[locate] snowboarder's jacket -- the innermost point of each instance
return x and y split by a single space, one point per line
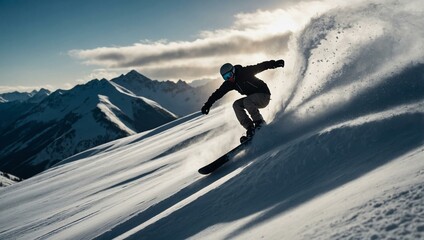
245 81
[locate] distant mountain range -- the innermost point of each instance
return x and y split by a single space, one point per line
40 129
34 96
12 105
179 97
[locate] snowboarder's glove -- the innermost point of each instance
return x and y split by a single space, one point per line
205 108
279 63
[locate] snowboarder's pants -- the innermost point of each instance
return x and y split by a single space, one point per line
252 104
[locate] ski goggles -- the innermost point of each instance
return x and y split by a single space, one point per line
228 75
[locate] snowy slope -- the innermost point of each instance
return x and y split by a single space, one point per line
342 157
8 179
15 104
146 186
68 122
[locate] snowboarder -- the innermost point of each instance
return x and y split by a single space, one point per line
244 81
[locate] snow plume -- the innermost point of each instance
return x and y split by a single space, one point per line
341 57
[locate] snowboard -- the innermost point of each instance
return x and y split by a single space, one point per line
224 158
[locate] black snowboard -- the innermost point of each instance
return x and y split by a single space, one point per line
224 158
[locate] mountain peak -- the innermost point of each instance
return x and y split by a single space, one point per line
43 90
178 96
133 74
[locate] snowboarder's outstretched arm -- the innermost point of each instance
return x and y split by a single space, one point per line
219 93
260 67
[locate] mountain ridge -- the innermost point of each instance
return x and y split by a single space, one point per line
35 95
179 97
69 121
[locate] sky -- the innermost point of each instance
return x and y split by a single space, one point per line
58 44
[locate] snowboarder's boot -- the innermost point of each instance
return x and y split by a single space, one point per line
249 134
258 124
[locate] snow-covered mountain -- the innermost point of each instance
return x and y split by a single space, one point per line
67 122
11 111
179 97
38 96
15 104
34 96
341 157
15 96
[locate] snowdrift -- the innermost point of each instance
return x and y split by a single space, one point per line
340 158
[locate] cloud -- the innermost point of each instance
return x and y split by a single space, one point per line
203 50
198 61
253 37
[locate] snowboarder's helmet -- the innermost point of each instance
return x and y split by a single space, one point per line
227 71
